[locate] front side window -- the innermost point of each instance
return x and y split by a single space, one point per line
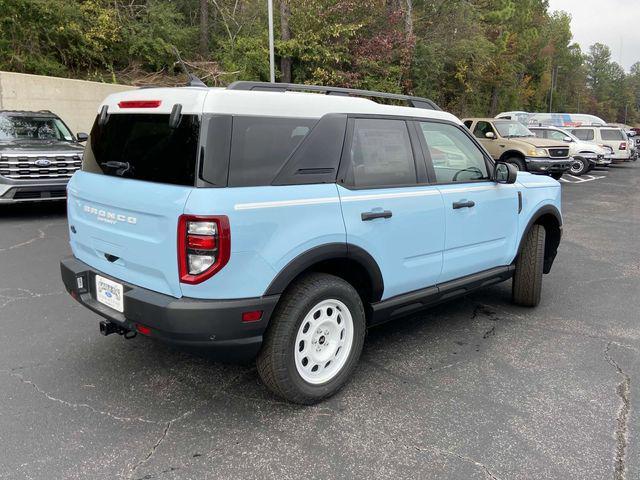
538 133
585 134
23 127
557 135
380 154
481 129
261 145
454 156
612 135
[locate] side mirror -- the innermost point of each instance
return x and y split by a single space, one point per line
567 139
505 173
490 135
82 137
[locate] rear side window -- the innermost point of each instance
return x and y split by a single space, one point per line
261 145
612 135
584 134
380 154
144 147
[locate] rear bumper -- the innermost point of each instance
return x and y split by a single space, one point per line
548 165
12 191
595 159
213 327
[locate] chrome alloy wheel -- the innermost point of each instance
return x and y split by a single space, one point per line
324 341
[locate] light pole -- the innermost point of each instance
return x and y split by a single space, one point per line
272 71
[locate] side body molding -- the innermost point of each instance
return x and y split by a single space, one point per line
324 253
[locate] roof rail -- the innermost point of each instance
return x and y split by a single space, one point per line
416 102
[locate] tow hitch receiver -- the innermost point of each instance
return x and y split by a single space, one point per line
107 328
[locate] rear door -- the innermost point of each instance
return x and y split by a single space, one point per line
481 215
389 209
123 208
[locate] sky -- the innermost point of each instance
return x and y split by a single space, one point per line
612 22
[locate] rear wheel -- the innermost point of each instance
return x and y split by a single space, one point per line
527 279
580 166
314 340
518 163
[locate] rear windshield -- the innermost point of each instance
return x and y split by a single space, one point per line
144 147
612 134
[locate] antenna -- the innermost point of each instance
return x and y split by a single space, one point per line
193 80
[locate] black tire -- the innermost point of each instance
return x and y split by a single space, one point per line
557 175
527 279
580 166
276 360
518 163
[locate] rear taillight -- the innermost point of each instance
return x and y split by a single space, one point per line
204 246
623 146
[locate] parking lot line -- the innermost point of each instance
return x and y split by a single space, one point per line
583 179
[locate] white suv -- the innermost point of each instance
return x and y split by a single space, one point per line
586 155
615 138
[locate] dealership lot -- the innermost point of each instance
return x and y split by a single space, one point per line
474 389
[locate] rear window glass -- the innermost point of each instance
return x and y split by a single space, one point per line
584 134
261 145
144 147
612 135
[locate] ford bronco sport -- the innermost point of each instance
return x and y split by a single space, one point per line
279 221
511 142
38 155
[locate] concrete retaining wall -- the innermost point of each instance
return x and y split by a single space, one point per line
75 101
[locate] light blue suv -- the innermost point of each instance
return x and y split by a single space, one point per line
281 221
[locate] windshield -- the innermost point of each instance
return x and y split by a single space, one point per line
22 127
512 128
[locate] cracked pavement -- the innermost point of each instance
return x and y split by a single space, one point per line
473 389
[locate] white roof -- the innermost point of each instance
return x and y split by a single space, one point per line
276 104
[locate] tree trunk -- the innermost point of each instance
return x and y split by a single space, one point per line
408 20
204 28
285 34
493 109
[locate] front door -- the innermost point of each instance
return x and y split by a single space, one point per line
481 216
389 209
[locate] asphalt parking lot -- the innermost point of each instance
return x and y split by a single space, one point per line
474 389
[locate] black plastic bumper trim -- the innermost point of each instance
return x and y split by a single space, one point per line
212 325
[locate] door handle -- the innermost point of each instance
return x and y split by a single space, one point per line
466 204
373 215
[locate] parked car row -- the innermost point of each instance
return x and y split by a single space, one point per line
592 142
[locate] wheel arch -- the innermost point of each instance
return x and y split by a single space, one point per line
550 218
512 153
349 262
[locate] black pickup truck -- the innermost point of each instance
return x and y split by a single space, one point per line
38 155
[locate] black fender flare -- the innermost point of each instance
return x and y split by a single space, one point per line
551 244
329 251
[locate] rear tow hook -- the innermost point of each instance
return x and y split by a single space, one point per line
107 328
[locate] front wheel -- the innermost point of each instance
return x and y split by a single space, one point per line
314 340
518 163
527 279
580 166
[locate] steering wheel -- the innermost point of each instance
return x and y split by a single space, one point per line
468 169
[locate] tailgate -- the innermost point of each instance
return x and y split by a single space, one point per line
127 228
